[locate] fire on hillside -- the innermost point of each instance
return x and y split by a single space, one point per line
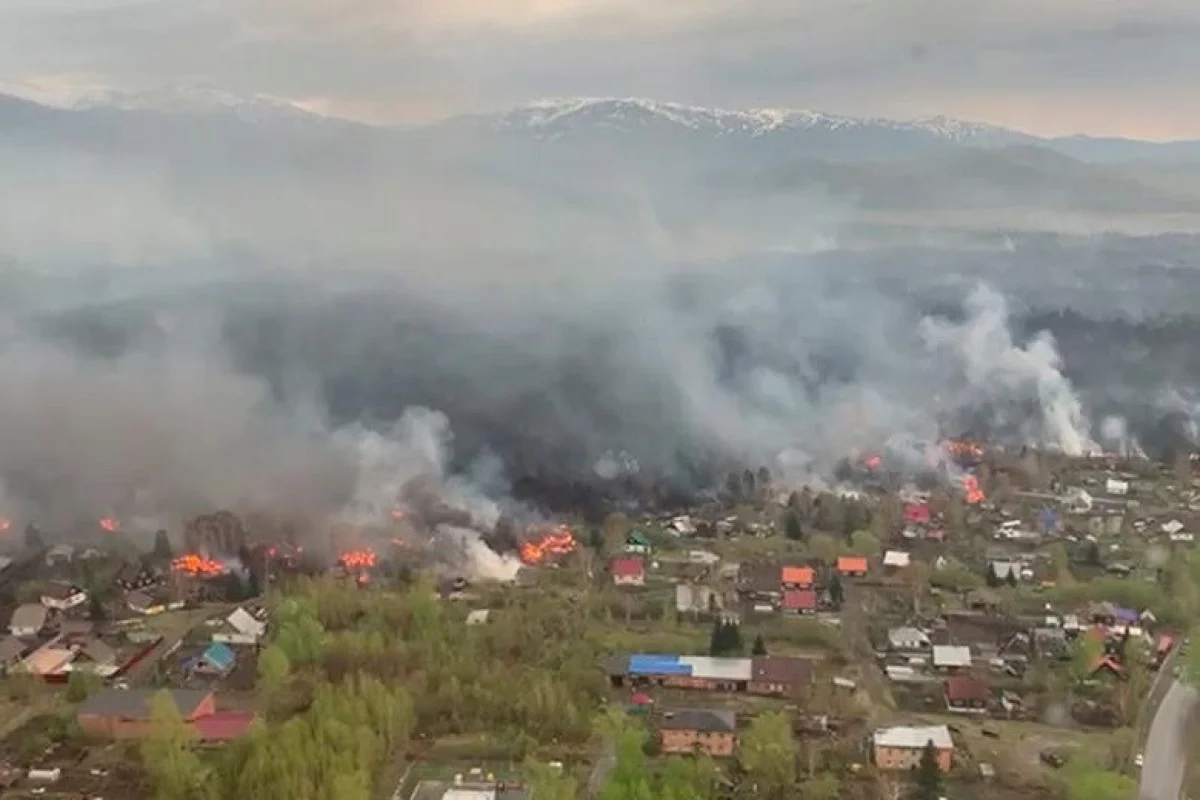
546 545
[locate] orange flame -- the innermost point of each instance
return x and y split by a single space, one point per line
873 461
198 566
5 524
970 485
963 448
557 542
397 514
358 559
109 524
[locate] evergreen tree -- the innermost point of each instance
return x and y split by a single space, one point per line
927 778
33 538
96 611
716 640
735 644
837 593
760 647
792 527
162 546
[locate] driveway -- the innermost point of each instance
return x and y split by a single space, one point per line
1166 751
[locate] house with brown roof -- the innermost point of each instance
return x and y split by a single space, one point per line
851 566
699 731
63 596
966 694
799 601
628 571
778 675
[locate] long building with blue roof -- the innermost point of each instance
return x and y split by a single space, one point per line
759 675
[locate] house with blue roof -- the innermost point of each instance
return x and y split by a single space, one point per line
217 659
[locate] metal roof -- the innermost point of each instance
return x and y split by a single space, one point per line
951 655
30 615
910 738
722 669
219 655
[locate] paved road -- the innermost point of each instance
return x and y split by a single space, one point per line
1166 747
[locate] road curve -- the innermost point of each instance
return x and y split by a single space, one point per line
1162 773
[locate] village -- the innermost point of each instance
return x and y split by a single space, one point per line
1005 634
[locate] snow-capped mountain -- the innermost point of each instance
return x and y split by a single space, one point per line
199 99
552 119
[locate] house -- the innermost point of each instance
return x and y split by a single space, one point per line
699 731
695 599
951 658
1182 537
217 659
151 603
628 571
896 559
851 566
966 694
1108 663
63 596
48 660
1116 488
637 543
916 513
704 558
125 714
240 628
761 583
764 675
901 748
96 657
136 576
908 640
28 620
778 675
799 601
796 577
59 554
983 600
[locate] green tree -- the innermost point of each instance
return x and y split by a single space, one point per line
792 528
80 685
1086 651
175 771
927 777
1086 782
274 670
549 783
760 646
864 543
767 754
689 779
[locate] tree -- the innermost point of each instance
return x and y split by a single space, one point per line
33 538
792 528
549 783
760 647
1087 782
162 546
726 638
863 543
96 612
274 670
1061 565
767 754
837 592
927 778
80 685
175 771
1086 651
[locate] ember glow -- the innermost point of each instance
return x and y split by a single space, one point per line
559 541
971 490
198 566
358 559
873 461
5 524
109 524
397 514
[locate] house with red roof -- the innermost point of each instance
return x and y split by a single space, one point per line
628 571
799 601
851 566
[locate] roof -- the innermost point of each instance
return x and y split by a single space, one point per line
800 576
911 738
30 615
800 599
721 669
637 538
478 616
763 578
48 660
967 688
627 566
896 558
220 655
99 652
916 512
244 622
699 719
951 655
10 649
139 600
852 564
135 703
781 669
1124 614
61 591
223 725
906 635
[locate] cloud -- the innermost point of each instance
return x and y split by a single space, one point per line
1035 64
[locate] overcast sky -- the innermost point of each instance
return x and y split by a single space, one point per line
1128 67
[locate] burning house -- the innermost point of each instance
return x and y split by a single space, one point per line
541 546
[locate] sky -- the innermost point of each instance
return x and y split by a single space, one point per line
1120 67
